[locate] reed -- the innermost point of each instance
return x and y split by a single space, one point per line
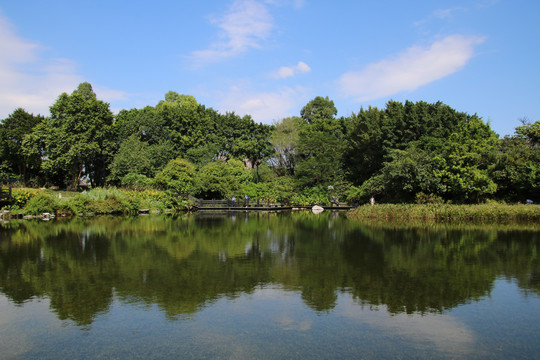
448 212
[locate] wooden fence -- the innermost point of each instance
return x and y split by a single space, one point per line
5 196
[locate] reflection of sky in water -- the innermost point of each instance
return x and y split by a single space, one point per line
208 316
449 335
274 323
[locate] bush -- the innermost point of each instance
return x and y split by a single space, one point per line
315 195
21 196
177 176
113 200
80 204
220 179
41 203
135 181
422 198
112 205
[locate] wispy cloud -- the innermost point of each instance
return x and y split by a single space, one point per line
297 4
289 71
246 25
33 81
440 14
409 70
263 106
27 79
443 332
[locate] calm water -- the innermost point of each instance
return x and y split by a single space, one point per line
267 286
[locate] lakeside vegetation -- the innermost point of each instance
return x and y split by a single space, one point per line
143 158
485 213
99 201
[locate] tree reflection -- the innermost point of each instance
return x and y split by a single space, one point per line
184 263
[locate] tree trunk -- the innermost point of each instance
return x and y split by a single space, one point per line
76 182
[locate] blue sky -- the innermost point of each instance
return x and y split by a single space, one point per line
268 58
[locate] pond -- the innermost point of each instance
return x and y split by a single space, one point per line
267 286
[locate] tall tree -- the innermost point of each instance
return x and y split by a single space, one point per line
178 175
144 143
222 179
320 145
13 130
529 131
284 139
77 138
254 145
133 157
419 147
517 171
318 109
364 150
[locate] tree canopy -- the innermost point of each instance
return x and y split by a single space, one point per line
396 154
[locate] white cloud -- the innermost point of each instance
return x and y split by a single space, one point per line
297 4
413 68
444 13
443 332
440 14
245 26
289 71
27 79
263 106
30 80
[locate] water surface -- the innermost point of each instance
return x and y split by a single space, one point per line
267 286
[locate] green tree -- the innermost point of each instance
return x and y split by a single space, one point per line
517 170
133 157
220 179
364 151
284 139
146 123
419 147
173 99
178 175
410 172
77 139
320 145
255 146
529 131
188 124
146 135
318 109
13 130
372 134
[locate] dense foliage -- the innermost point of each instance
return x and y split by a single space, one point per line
399 154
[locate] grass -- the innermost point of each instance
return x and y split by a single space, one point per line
448 212
96 201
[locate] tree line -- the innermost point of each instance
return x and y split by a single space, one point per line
405 152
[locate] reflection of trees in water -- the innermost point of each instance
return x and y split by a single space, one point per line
183 263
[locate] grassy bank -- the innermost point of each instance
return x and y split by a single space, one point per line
448 213
96 201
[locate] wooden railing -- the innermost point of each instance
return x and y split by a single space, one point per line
214 203
258 205
5 195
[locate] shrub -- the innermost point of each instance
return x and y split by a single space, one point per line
21 196
315 195
220 179
111 205
80 204
135 181
41 203
422 198
177 176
